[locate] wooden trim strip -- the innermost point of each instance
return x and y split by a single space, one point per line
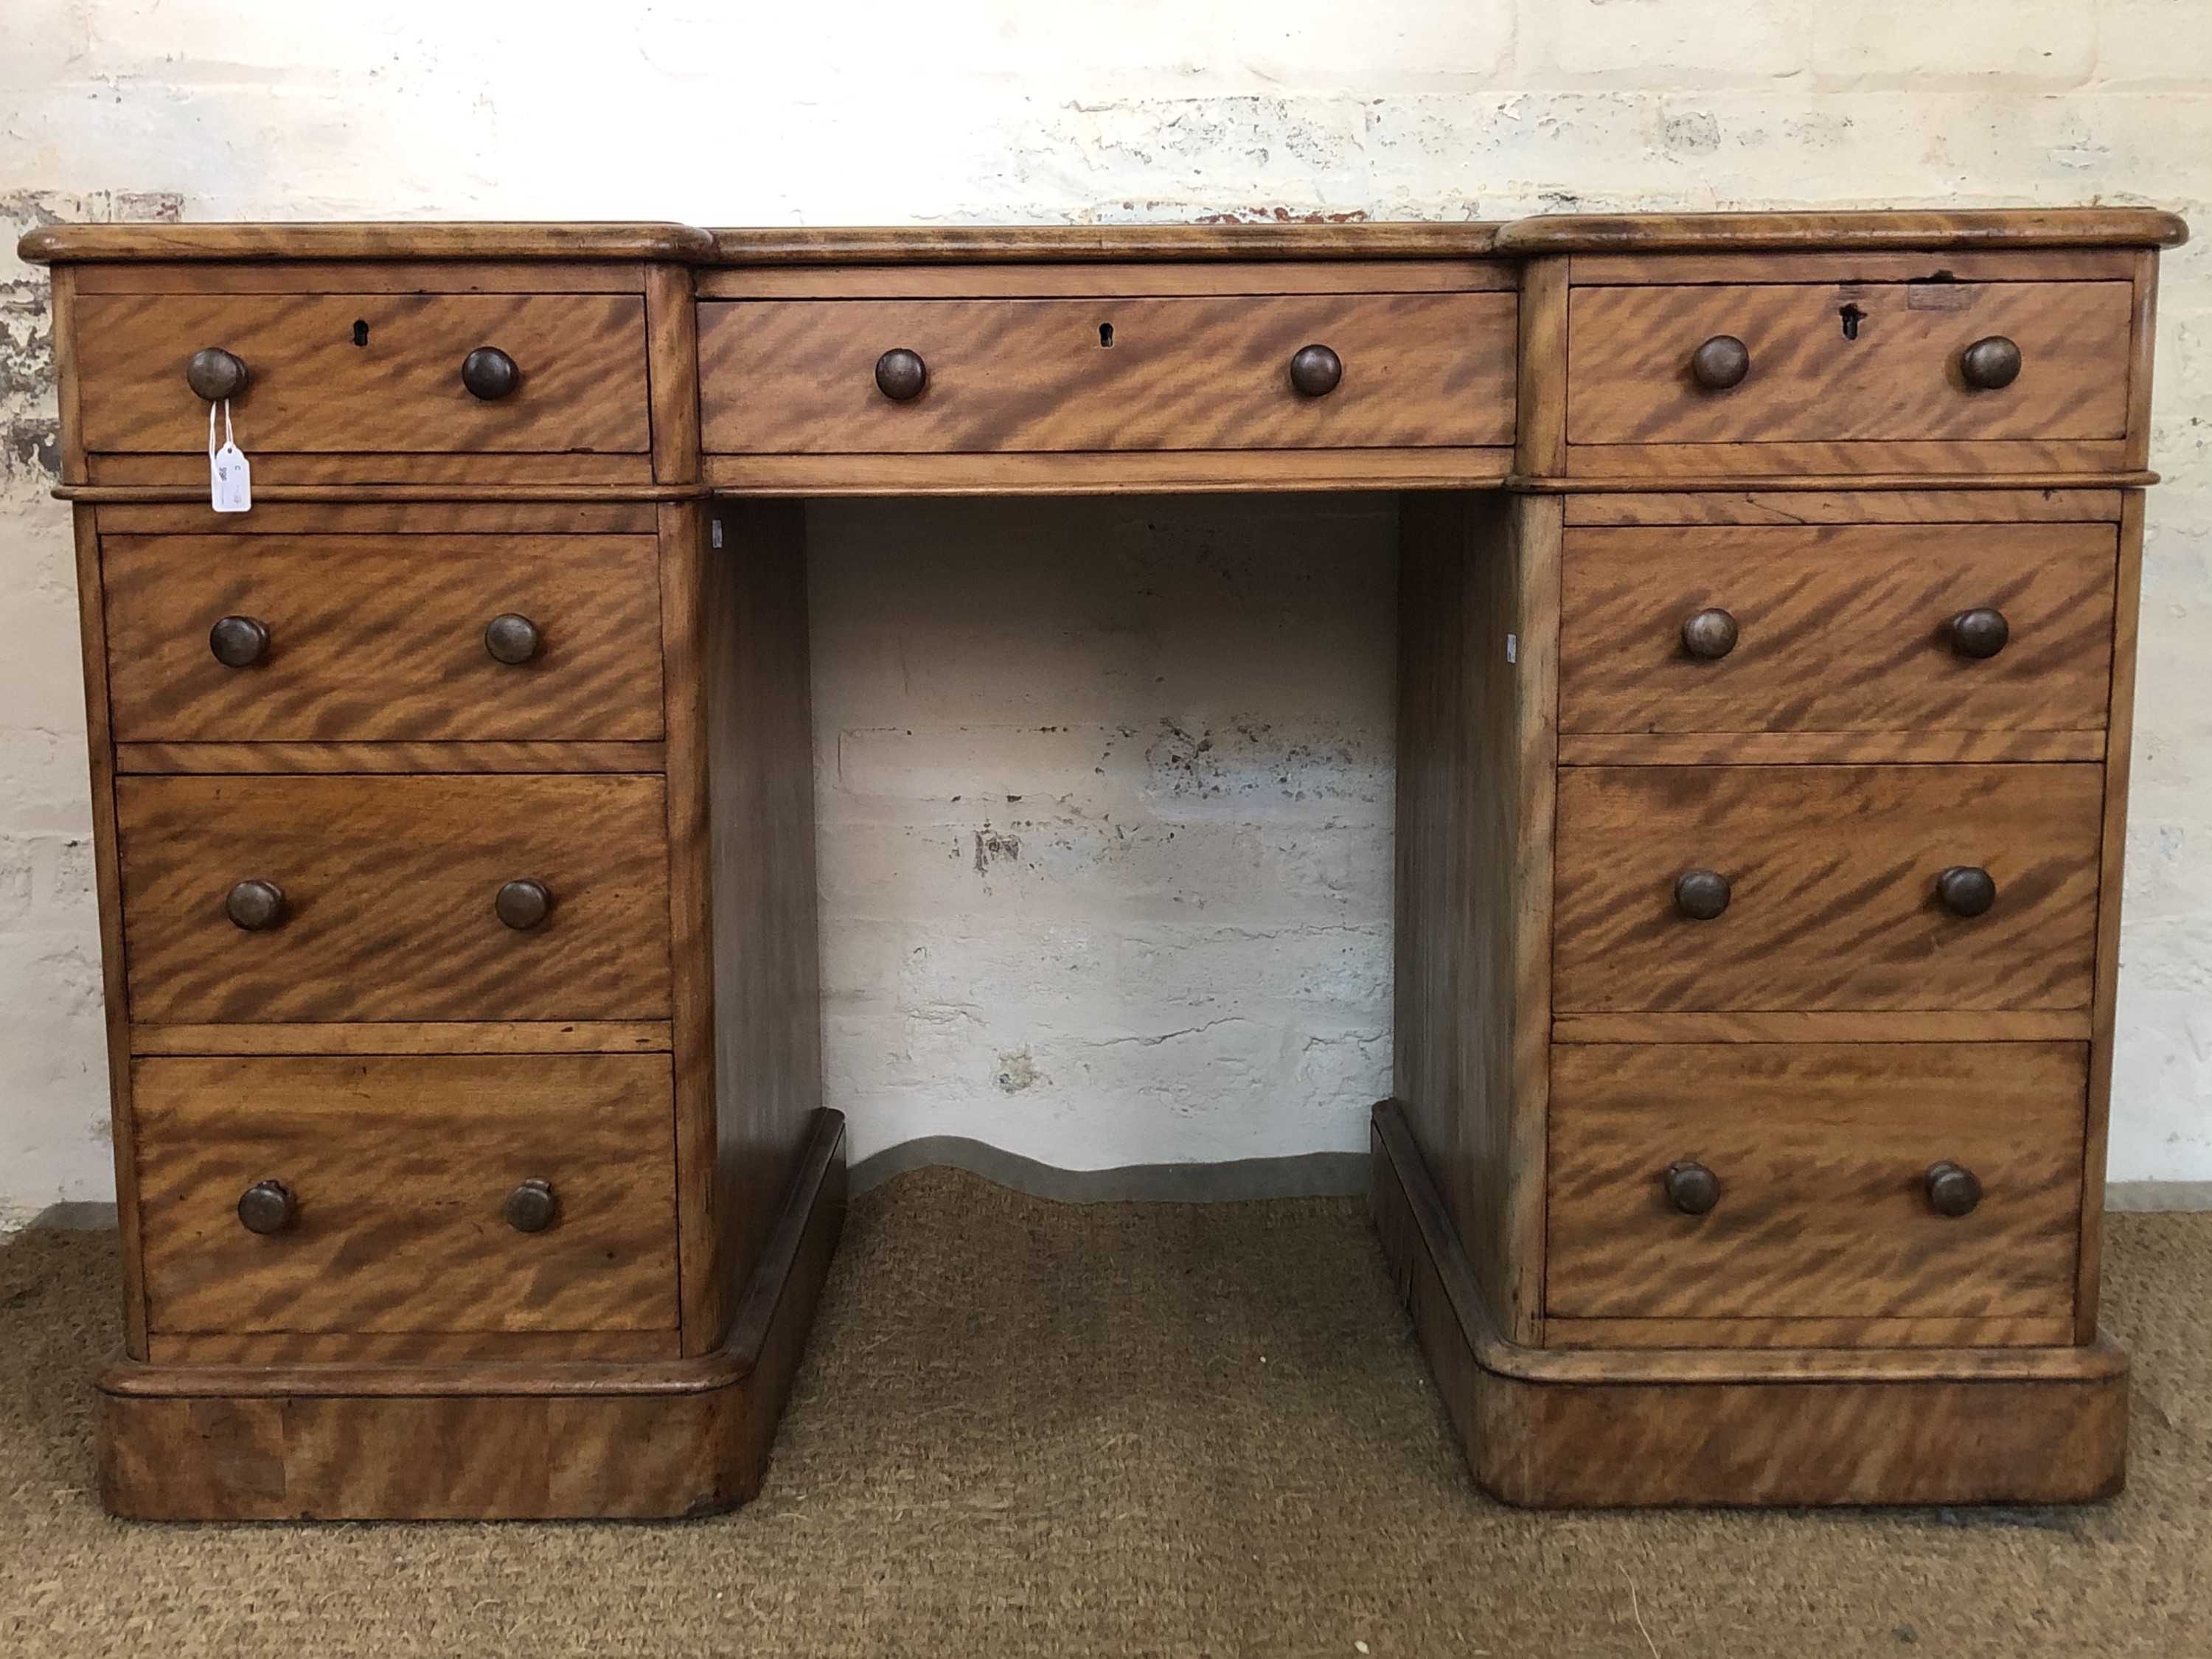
2089 264
417 1037
346 470
1661 1333
1073 244
391 240
1986 462
137 493
1657 233
1823 748
332 276
1104 472
2033 1025
354 517
1829 483
389 758
1766 505
1102 282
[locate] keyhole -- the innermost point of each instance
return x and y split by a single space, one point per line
360 332
1852 317
1105 334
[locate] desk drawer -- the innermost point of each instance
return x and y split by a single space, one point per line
396 1174
388 887
799 377
383 638
1631 376
1837 629
1831 887
311 388
1821 1152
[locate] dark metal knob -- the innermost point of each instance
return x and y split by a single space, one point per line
1692 1187
267 1206
530 1208
523 904
1315 371
238 641
1981 632
1966 890
1953 1189
255 905
1701 895
215 375
490 373
1720 363
511 638
1709 634
901 375
1989 365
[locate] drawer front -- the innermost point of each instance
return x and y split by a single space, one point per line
1838 628
1822 1153
398 1171
1629 376
378 638
1831 899
388 888
798 377
311 389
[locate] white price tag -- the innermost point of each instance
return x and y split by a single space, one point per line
230 475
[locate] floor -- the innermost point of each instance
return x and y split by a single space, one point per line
1035 1428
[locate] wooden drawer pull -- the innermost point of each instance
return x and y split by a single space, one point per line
1953 1189
523 904
490 373
1701 895
1692 1187
238 641
1965 890
511 638
531 1207
255 905
1979 632
1720 363
1989 365
267 1206
1315 371
901 375
215 375
1709 634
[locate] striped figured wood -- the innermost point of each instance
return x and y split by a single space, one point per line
1832 871
400 1166
382 638
797 377
1842 628
1628 380
388 885
1821 1150
582 358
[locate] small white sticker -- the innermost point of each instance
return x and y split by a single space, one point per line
230 475
1512 647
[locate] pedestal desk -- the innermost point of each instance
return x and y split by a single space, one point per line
1767 641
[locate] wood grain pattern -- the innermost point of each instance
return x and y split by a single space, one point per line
425 275
672 373
260 1349
2039 1330
2008 264
1355 239
68 381
796 377
1945 227
388 883
1914 1025
1629 352
2142 349
1834 870
411 1037
381 639
1824 748
1820 1149
1779 506
1106 472
1031 281
345 476
399 1165
222 757
418 240
1638 469
1542 432
387 518
583 361
1841 629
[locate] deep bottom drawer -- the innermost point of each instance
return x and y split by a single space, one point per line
399 1171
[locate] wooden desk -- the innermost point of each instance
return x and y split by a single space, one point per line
1767 650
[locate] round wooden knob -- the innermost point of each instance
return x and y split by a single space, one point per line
530 1208
1966 890
267 1206
1315 371
1709 634
215 375
523 904
1953 1189
1981 632
1989 365
901 375
255 905
238 641
1720 363
490 373
1692 1187
511 638
1701 895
